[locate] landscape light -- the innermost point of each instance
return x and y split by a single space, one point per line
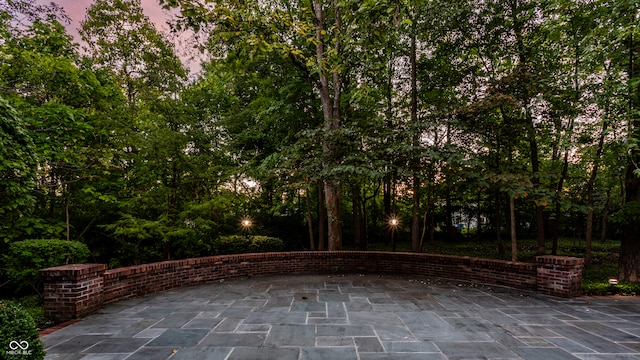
393 223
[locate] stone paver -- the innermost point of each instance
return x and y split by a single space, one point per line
353 317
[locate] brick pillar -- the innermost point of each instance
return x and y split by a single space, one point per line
72 291
559 275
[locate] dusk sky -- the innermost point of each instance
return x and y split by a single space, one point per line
76 9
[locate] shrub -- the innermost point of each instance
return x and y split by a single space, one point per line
25 258
19 338
240 244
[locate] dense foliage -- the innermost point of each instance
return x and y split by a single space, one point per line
25 258
19 337
321 121
239 244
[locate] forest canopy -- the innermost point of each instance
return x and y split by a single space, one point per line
320 121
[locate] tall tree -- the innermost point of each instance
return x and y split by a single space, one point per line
628 27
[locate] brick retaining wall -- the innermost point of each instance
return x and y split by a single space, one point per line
74 291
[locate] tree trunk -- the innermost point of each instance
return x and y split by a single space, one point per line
66 211
605 215
312 243
331 114
556 222
512 215
501 251
386 199
590 185
415 223
356 207
535 165
333 197
630 245
451 231
322 217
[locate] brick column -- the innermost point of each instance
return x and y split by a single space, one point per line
72 291
559 275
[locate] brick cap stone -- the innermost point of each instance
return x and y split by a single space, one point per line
75 269
559 260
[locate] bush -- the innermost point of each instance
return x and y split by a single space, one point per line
19 338
25 258
239 244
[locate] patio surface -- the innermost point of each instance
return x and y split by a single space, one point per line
368 317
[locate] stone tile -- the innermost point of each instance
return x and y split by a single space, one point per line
276 318
202 353
359 306
149 333
263 328
569 345
175 320
249 303
475 350
115 345
368 317
536 342
76 344
403 356
410 347
368 345
152 353
237 312
243 353
325 321
413 319
233 340
606 331
88 357
324 341
318 353
590 340
202 323
298 306
394 333
533 353
136 328
336 310
227 325
179 337
291 335
332 296
608 357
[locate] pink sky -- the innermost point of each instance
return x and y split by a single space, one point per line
77 9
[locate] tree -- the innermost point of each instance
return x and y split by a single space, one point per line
60 99
17 168
320 41
627 47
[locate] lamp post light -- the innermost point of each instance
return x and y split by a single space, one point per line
246 224
393 223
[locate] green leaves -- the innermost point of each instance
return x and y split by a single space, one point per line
17 165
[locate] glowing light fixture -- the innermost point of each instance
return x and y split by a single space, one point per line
393 224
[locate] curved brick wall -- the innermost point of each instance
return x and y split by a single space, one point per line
74 291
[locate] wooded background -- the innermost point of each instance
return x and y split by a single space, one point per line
320 121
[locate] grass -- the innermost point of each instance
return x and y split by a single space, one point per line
595 279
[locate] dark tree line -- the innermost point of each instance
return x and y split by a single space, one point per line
323 120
